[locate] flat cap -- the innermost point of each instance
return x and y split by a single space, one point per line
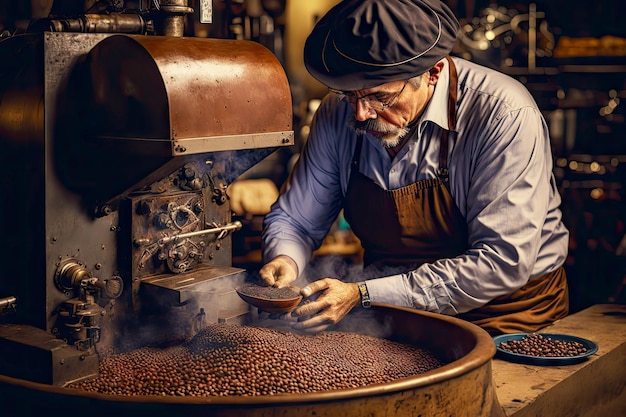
361 44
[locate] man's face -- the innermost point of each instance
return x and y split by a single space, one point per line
404 104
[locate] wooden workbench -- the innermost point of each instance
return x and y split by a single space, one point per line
593 388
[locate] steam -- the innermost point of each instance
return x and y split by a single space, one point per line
364 321
163 321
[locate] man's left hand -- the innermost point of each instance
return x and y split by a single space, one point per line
336 299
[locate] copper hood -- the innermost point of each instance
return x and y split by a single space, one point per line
148 105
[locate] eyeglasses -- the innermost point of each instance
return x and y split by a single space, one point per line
378 101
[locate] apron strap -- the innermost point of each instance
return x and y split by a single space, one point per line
356 156
452 97
452 94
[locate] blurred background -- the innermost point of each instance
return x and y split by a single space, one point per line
572 58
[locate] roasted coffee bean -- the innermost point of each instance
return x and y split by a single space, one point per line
232 360
535 344
270 293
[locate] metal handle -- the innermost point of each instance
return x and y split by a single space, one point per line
236 225
7 303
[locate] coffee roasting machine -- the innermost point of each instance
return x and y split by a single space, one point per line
119 139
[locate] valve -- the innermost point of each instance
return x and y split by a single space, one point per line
78 317
71 274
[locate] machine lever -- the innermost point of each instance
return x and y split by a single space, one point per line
222 230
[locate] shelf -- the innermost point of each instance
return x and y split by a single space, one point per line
565 69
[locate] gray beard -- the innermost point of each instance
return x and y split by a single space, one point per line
391 136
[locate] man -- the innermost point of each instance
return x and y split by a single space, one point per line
443 168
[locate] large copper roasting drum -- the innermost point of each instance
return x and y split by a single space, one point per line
463 387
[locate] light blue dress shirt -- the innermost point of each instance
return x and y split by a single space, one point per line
501 179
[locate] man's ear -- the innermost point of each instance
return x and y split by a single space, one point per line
435 72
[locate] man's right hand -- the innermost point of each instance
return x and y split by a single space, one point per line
279 272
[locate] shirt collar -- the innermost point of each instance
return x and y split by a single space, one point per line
437 109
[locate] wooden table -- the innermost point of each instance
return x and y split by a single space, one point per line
593 388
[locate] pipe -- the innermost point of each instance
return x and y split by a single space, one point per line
101 23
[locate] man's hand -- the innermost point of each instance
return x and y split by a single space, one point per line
279 272
336 300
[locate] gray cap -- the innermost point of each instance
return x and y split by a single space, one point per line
361 44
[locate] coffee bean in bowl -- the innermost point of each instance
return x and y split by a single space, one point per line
270 299
544 348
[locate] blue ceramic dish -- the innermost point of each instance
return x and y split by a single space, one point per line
544 360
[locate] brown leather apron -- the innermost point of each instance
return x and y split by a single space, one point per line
420 223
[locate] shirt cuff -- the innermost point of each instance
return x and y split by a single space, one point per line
389 290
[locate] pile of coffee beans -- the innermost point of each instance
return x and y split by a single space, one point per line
269 293
535 344
232 360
